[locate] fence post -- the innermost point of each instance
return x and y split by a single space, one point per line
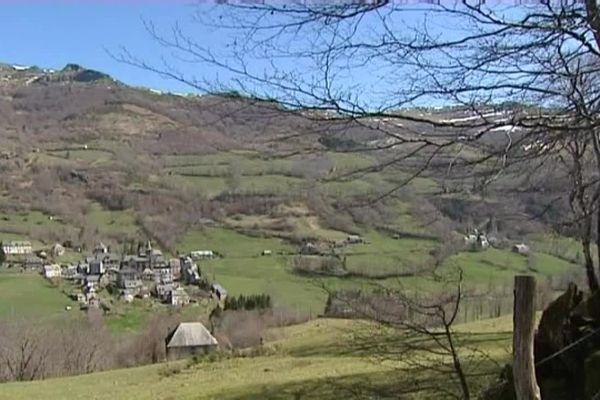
526 387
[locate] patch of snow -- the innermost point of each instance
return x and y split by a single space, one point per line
506 128
156 91
21 67
471 118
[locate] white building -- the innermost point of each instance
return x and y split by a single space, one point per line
15 247
52 271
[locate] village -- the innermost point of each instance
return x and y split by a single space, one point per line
144 272
147 273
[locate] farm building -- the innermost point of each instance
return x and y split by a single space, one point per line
15 247
57 250
52 271
187 339
308 248
521 248
179 297
354 239
218 291
202 254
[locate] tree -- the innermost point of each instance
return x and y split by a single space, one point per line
522 81
418 329
234 176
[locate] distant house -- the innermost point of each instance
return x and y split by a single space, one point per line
69 272
477 240
218 291
33 262
57 250
96 267
101 248
339 244
202 254
354 239
163 273
138 263
16 247
175 265
52 271
129 283
188 339
179 297
163 291
148 274
521 248
189 271
308 248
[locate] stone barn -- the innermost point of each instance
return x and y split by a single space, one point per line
188 339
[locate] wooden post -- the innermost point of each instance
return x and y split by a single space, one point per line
526 387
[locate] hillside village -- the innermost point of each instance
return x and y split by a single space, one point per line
147 273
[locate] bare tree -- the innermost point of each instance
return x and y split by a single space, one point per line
418 331
23 352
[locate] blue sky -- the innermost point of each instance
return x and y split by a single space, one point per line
52 35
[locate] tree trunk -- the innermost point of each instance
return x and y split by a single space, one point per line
526 387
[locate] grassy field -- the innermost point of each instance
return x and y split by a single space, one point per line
494 267
111 222
244 271
321 359
29 295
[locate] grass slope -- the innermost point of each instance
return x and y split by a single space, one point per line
30 295
320 359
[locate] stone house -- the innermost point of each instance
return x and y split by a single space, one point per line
179 297
163 291
521 248
57 250
52 271
188 339
189 271
219 291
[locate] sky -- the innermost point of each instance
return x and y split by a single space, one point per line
52 34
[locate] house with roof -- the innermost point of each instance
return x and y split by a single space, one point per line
219 291
129 282
52 271
202 254
354 239
179 297
33 262
189 271
16 247
188 339
521 248
96 267
57 250
163 273
163 291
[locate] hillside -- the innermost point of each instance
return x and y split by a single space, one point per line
322 359
87 159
